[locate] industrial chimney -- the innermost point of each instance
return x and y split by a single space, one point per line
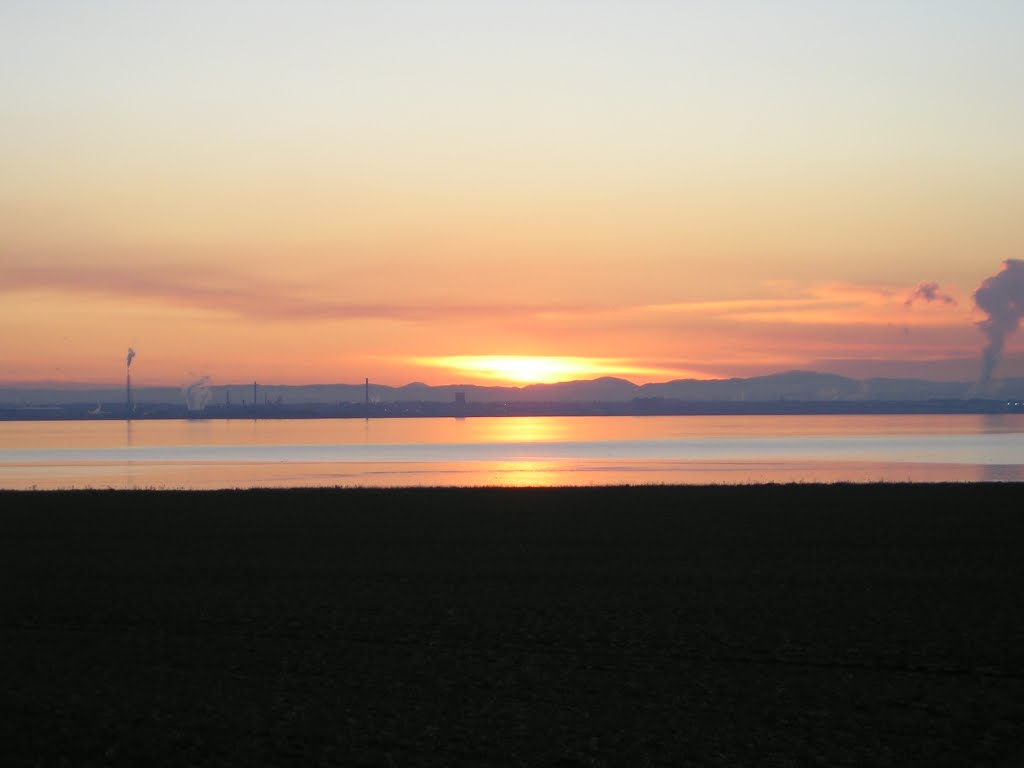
129 407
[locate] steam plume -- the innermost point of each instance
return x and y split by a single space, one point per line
197 394
131 355
1001 297
928 292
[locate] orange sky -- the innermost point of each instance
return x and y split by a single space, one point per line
421 191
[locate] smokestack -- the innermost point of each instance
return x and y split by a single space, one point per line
254 394
1001 297
367 393
128 382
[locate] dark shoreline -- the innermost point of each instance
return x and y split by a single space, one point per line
656 625
85 411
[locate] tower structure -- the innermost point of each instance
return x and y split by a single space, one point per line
129 406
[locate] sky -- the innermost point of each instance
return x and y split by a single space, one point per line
464 192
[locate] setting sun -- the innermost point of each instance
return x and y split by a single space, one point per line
536 370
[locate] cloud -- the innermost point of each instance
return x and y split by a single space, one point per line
778 325
222 292
827 304
243 296
928 293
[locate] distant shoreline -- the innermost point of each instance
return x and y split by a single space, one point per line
954 499
639 407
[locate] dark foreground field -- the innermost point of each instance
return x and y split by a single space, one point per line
780 625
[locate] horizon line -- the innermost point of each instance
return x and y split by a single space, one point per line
85 385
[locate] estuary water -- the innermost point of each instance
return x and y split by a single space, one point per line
511 451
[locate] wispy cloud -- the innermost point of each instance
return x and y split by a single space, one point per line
211 290
243 296
826 304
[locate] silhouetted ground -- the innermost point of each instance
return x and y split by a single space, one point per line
756 625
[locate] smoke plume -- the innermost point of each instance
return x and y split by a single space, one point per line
197 395
1001 297
928 292
131 355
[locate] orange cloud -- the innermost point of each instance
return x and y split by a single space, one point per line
826 304
241 295
243 326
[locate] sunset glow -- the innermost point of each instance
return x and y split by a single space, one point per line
541 370
504 192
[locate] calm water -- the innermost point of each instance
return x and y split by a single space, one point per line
510 451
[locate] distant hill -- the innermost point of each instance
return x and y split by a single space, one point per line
798 386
